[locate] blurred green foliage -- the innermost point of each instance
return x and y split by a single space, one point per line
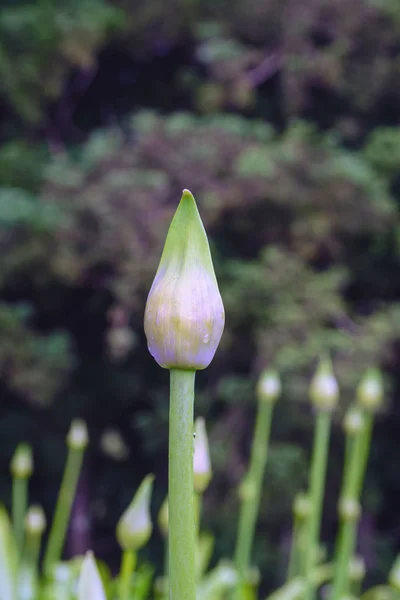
282 118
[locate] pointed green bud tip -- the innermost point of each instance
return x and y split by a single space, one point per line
90 586
268 387
163 518
324 390
353 422
135 526
202 471
394 575
35 521
184 317
370 390
77 438
21 465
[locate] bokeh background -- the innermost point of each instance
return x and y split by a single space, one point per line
282 117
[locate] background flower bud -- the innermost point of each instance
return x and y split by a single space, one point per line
394 576
35 520
268 386
21 465
370 390
184 316
324 390
353 422
90 584
135 526
202 471
77 438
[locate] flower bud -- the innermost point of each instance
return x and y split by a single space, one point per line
349 509
184 316
135 526
268 387
163 518
353 422
90 584
370 390
202 471
357 568
21 465
324 391
35 521
77 438
394 575
302 506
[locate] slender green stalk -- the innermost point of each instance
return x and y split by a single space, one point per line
19 506
21 468
298 546
349 513
65 500
251 489
182 572
28 578
128 566
317 484
32 551
365 448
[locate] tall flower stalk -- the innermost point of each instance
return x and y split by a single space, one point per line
184 320
324 397
358 425
268 391
77 441
21 470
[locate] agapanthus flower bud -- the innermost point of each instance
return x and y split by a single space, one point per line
77 438
35 520
357 568
202 471
353 422
22 462
184 316
324 390
90 584
268 386
370 390
349 509
135 526
394 575
302 506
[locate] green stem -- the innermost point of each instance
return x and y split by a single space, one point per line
125 577
298 546
317 483
252 489
63 508
351 488
32 550
28 574
182 572
365 449
19 506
